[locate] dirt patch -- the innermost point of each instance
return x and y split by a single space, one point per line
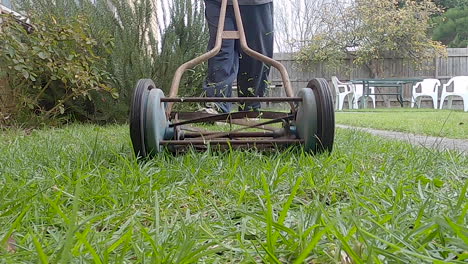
419 140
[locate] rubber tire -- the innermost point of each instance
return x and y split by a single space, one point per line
138 116
156 123
306 119
325 115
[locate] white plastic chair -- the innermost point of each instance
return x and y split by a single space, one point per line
359 92
429 87
460 88
342 95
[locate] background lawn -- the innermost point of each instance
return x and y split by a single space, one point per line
78 195
439 123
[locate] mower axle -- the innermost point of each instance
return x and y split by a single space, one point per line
229 99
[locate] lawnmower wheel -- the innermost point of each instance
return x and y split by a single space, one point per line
315 120
156 123
138 116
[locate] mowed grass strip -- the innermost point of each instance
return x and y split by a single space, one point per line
438 123
77 195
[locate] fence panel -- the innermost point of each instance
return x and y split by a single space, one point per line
455 64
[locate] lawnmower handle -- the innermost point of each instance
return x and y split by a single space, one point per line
220 36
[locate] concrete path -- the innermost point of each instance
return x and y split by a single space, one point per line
419 140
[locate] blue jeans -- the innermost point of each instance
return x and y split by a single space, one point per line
232 63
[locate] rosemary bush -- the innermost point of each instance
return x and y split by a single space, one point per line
144 43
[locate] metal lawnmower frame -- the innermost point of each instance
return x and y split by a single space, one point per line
155 127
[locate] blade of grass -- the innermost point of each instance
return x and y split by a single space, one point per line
286 207
69 236
273 224
15 225
157 220
313 243
83 238
461 231
268 216
348 249
271 256
40 251
462 201
122 239
402 250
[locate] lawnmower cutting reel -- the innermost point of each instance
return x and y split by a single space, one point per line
154 127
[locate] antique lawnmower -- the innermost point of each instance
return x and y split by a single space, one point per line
155 127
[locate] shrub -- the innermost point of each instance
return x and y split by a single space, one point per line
53 68
140 47
451 28
184 38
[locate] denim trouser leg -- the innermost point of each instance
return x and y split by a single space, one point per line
252 79
231 62
223 68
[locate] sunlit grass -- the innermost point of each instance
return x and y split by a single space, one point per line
440 123
78 195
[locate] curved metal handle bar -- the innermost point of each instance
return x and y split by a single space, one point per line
220 36
245 47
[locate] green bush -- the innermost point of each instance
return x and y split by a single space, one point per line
53 68
184 38
452 28
136 51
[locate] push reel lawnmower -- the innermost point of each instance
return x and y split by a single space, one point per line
154 127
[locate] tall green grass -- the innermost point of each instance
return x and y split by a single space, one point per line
438 123
78 195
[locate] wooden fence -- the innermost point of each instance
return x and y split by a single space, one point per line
455 64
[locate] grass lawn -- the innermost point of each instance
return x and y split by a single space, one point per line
77 195
439 123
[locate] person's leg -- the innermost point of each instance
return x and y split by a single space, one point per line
252 78
223 68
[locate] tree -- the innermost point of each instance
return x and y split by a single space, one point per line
452 28
367 31
298 20
446 4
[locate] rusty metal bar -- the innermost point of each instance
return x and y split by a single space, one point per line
229 99
219 117
246 114
250 123
256 125
231 35
238 134
232 142
194 129
184 148
240 122
210 54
